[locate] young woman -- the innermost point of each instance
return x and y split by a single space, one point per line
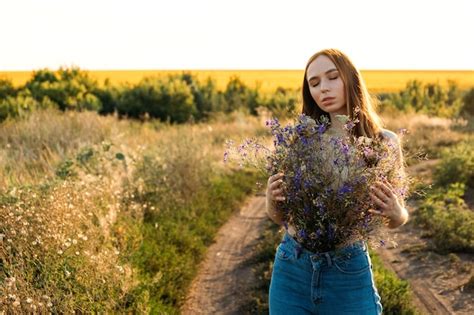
308 282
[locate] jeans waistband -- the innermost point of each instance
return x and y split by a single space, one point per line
352 249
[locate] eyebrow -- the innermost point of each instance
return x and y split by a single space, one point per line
315 77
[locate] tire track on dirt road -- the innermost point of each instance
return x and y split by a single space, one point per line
221 286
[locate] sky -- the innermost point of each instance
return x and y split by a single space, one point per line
243 34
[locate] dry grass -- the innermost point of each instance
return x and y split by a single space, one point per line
425 136
55 246
59 249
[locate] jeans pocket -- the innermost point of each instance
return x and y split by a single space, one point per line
354 264
283 253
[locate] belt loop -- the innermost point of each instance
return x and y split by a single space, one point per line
328 258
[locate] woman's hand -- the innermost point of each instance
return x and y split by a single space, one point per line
275 187
388 204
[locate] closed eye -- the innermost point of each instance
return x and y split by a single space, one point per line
333 78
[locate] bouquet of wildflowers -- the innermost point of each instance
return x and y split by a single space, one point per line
326 180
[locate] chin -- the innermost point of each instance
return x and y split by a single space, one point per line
335 109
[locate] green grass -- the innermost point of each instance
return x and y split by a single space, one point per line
395 293
443 213
175 240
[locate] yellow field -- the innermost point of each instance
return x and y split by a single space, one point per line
377 80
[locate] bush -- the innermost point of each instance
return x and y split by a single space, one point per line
205 95
430 98
21 105
164 98
447 219
68 88
7 89
238 96
108 96
468 103
282 103
457 165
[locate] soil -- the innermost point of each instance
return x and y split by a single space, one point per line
221 286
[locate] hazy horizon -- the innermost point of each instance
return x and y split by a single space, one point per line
234 35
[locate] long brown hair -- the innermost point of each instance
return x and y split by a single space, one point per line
357 96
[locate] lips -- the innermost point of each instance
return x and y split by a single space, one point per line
328 100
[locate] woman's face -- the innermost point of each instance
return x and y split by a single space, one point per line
325 81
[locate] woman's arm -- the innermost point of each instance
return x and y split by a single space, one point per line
391 203
398 221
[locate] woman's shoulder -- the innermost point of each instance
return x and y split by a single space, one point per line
389 135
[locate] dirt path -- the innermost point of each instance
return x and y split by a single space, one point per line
222 283
436 280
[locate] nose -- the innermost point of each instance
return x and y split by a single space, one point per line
323 87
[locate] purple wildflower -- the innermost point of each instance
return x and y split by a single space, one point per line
349 125
346 188
321 129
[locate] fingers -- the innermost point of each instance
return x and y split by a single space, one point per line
378 201
382 191
377 212
381 194
275 177
386 187
277 192
274 186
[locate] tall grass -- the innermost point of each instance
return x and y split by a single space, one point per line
424 137
113 216
31 148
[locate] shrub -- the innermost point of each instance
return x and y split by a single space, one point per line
164 98
447 219
7 89
205 95
457 165
69 88
238 96
282 103
430 98
468 103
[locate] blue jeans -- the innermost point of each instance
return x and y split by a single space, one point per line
304 282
